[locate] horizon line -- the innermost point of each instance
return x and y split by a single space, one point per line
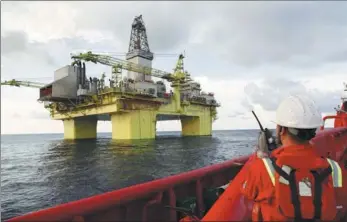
7 134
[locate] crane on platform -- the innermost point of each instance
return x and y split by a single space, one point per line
18 83
122 64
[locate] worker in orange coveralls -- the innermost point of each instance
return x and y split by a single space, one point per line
294 183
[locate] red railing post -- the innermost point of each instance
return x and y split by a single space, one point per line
199 198
157 199
328 117
172 200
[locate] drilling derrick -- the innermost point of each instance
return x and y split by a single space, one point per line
139 52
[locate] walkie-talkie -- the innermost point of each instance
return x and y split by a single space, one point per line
270 140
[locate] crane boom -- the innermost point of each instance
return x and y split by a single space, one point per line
17 83
118 63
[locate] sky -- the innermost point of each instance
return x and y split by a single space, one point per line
250 54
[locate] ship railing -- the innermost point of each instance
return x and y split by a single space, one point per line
144 202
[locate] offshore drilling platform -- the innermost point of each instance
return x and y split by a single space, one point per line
134 103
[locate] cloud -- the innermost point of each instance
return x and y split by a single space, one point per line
16 115
246 104
270 92
305 34
39 115
42 59
16 44
32 115
236 114
13 42
240 115
244 34
282 33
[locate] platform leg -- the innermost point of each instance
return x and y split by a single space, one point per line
137 124
196 125
80 128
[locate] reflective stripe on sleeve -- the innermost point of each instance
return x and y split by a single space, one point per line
270 169
336 173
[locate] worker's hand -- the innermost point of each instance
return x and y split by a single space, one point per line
262 147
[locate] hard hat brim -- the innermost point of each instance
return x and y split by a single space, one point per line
295 127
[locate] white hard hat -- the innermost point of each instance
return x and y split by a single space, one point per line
298 111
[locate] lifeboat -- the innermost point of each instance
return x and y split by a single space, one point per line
188 194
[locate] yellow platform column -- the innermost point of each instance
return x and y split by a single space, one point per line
80 128
196 125
136 124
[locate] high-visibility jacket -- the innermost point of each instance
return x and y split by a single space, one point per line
270 183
